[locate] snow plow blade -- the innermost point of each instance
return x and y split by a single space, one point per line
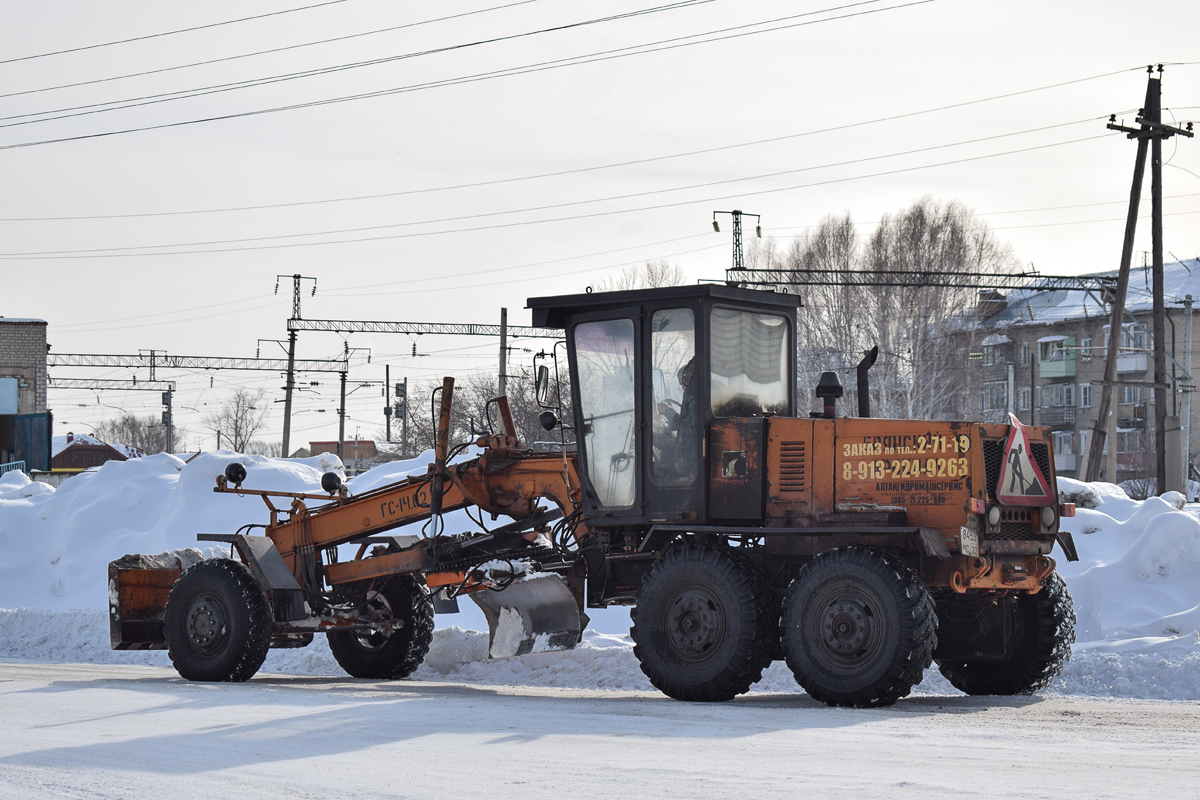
536 614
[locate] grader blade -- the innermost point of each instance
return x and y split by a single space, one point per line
536 614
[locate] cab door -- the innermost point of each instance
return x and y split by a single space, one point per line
607 395
676 416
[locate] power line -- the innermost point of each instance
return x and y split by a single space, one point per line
184 94
651 159
127 251
668 44
267 52
170 33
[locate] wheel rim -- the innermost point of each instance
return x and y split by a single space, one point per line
378 609
695 624
207 624
849 632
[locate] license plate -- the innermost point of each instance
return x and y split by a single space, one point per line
968 541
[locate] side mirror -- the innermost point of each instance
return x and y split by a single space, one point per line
542 386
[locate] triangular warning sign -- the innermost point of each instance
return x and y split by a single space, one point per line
1021 482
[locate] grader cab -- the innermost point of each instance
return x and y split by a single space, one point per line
740 527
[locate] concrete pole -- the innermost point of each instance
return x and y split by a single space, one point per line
503 382
1185 403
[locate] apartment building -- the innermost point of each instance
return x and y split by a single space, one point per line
1041 355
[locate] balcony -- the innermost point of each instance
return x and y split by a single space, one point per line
1059 368
990 373
1056 416
1134 362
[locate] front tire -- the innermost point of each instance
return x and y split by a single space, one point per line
388 655
696 626
217 622
859 628
1040 646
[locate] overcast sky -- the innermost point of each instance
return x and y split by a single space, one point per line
430 200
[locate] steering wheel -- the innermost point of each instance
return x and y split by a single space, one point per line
678 405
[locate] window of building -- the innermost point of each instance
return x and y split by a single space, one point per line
1134 336
994 396
1056 349
1131 394
1085 349
1023 399
1064 442
1085 394
1057 395
1025 354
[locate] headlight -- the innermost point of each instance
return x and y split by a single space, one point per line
1048 516
993 516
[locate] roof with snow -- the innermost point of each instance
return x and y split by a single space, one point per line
60 443
1042 307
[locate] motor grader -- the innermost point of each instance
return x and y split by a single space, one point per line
741 527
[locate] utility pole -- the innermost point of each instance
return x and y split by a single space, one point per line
738 256
1151 131
291 369
503 383
1185 411
342 418
168 418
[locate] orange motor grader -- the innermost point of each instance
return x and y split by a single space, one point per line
741 528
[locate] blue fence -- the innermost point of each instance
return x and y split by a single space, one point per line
12 465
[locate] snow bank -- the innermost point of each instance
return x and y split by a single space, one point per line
1136 589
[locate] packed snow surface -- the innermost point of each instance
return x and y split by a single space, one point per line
1136 587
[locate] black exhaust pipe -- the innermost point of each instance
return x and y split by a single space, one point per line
864 384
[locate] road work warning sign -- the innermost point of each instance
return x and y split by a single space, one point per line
1021 482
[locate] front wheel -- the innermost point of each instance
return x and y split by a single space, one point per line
217 622
696 626
1037 648
858 628
388 654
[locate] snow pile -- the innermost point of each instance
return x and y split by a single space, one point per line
1136 589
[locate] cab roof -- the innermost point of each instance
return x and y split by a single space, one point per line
552 312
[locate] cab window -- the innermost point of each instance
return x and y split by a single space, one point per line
749 362
604 353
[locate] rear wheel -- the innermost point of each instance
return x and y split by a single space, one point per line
696 626
1038 646
394 653
217 622
858 628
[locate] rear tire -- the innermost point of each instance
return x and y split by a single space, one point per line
1042 636
388 655
859 628
696 626
217 622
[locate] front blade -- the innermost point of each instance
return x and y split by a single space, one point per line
536 614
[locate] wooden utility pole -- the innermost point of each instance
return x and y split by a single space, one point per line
1151 132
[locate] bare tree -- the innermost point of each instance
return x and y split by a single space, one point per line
918 374
240 419
264 447
650 275
147 434
474 414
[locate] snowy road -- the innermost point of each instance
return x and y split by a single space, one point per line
91 731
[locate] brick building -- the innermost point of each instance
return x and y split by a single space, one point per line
1041 355
78 452
24 418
